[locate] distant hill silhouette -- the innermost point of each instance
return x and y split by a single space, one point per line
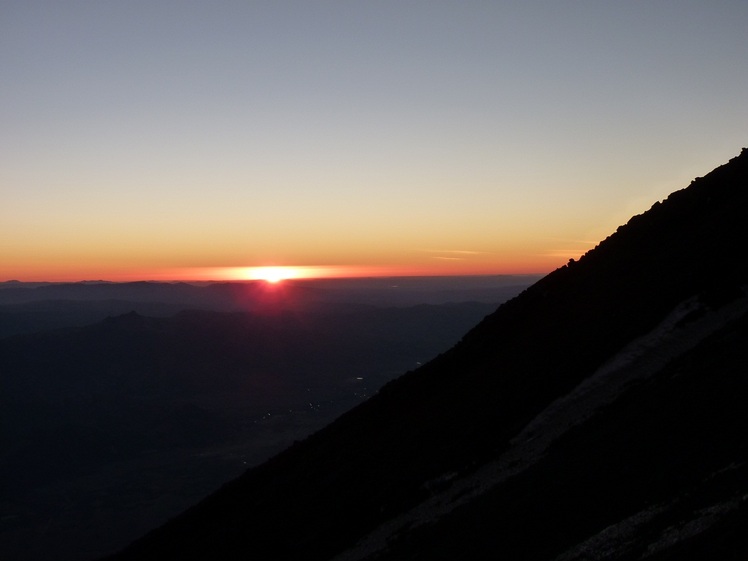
114 427
600 414
31 307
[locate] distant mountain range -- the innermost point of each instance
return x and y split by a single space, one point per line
600 414
113 420
29 307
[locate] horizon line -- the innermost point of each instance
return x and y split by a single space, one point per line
206 280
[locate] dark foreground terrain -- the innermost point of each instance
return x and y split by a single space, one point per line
130 410
601 414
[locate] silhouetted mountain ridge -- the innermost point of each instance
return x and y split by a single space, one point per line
660 448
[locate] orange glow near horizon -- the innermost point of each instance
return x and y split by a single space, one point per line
150 262
277 273
268 273
416 263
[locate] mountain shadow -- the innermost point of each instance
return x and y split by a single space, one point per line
599 414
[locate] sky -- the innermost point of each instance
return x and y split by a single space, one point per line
195 139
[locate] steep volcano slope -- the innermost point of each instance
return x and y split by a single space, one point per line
435 427
646 457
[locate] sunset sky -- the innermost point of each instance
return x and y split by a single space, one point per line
184 139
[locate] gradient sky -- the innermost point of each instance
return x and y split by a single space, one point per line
157 139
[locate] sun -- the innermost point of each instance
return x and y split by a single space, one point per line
273 275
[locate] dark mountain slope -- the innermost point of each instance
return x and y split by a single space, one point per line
670 452
435 426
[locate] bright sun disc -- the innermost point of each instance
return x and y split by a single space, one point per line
272 274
